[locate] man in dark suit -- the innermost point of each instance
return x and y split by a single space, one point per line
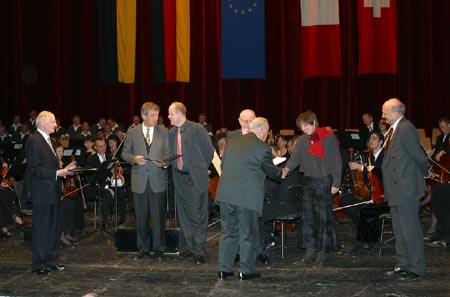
240 193
148 141
45 194
202 122
190 177
100 181
245 117
442 141
367 127
404 168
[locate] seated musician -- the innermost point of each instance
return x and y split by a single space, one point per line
100 180
118 181
442 141
7 211
367 223
67 214
280 198
441 210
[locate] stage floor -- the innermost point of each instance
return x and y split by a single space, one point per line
94 267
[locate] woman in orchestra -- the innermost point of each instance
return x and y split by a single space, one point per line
68 185
118 175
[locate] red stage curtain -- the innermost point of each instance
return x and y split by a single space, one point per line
49 60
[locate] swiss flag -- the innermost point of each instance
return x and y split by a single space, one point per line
321 38
377 34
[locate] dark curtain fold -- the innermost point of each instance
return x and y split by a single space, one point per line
50 59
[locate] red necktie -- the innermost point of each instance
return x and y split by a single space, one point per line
388 138
179 151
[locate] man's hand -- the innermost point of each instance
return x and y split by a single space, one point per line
139 160
334 190
284 172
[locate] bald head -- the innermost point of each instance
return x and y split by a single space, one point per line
392 110
245 117
46 122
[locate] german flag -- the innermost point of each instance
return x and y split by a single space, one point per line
170 40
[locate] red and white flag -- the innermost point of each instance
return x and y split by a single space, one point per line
321 38
377 34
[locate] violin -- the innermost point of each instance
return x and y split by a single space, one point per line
8 182
360 189
117 175
70 187
377 193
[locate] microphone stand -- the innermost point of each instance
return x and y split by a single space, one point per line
115 183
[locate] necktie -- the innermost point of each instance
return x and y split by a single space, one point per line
147 136
388 138
179 151
370 129
102 158
51 146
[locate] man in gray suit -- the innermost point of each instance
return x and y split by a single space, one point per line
245 117
240 193
190 177
148 141
404 169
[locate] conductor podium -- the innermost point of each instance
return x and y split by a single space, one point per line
125 238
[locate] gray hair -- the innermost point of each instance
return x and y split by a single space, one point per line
259 123
43 115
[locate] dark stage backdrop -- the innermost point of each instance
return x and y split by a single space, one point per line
49 60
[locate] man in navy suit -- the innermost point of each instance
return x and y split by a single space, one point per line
45 194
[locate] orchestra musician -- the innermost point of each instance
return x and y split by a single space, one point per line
7 197
100 181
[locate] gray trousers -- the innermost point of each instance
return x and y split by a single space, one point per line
150 205
240 228
192 207
409 246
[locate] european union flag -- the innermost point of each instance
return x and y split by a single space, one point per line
243 39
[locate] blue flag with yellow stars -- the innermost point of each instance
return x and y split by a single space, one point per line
243 39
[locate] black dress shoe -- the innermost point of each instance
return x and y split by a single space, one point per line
142 255
159 255
186 254
410 276
56 267
264 259
41 271
243 276
223 275
395 271
198 259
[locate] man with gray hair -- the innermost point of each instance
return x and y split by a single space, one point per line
45 194
404 168
240 193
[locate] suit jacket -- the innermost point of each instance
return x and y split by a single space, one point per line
235 133
141 174
197 151
42 165
246 163
100 176
364 132
404 166
440 145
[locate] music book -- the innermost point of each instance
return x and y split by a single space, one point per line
166 160
278 160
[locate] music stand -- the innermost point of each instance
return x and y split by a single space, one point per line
116 191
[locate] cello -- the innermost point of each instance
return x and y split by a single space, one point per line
359 189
